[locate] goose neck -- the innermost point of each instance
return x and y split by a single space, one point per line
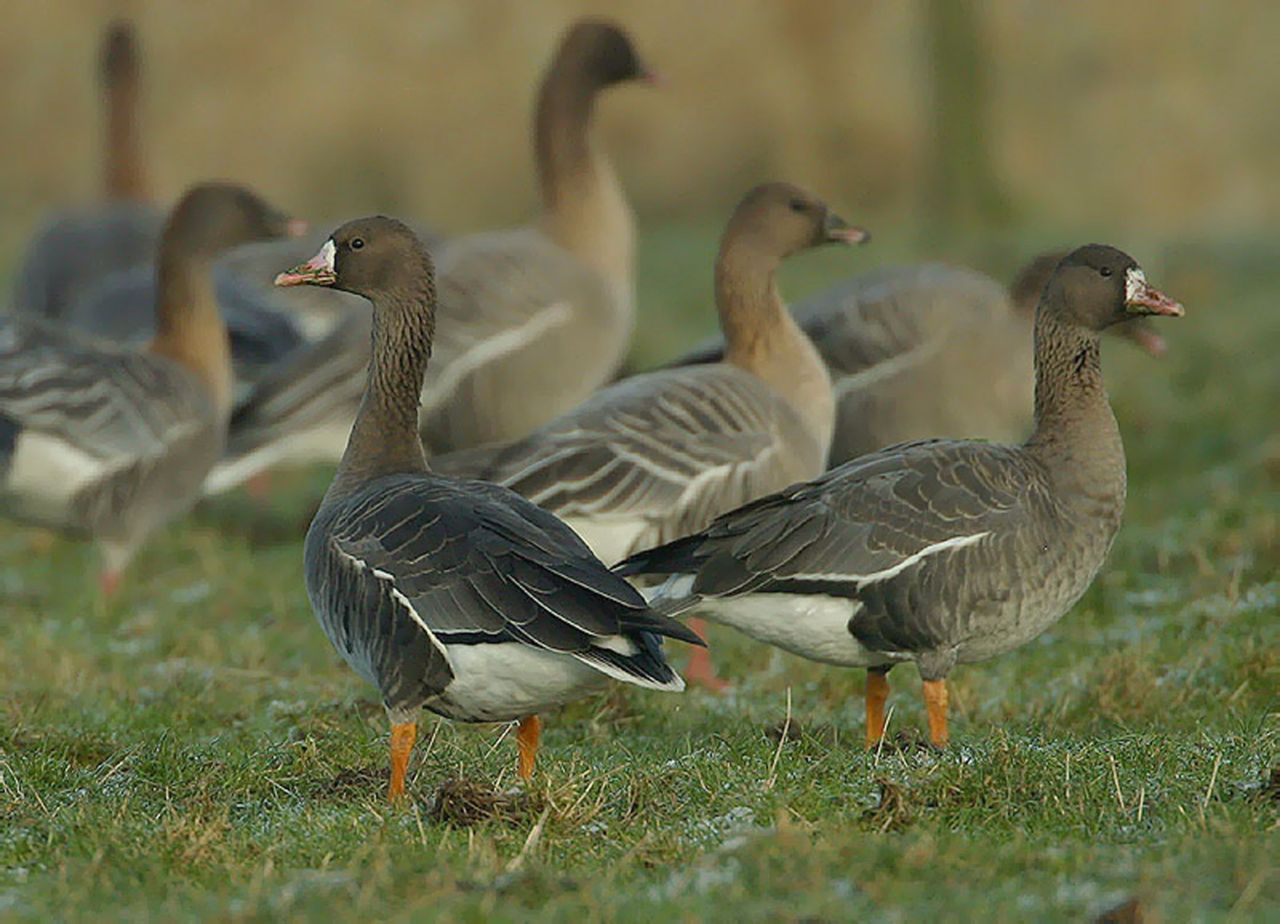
124 174
585 210
189 325
1075 433
762 338
385 439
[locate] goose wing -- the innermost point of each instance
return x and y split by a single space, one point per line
859 526
676 445
466 563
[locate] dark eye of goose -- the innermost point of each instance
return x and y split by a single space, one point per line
357 243
798 205
1106 271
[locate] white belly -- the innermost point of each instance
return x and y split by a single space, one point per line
499 683
813 626
46 473
611 538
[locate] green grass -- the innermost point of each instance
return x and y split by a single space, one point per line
196 749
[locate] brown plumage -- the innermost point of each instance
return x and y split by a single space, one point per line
459 596
77 248
534 319
108 442
938 551
929 350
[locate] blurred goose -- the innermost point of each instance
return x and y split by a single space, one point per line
107 442
460 596
76 248
658 456
262 333
941 552
533 319
929 351
265 323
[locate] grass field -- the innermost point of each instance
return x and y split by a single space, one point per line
195 748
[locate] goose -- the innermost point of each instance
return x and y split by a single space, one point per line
107 442
929 350
76 248
941 552
534 319
262 332
659 455
460 596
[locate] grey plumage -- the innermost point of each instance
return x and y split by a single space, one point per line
104 443
937 551
119 309
459 596
77 249
110 442
659 455
533 319
926 351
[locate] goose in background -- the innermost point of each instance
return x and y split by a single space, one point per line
659 455
109 443
941 552
460 596
76 248
929 350
533 319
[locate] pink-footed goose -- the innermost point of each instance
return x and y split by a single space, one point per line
533 319
109 443
460 596
659 455
929 350
77 248
940 552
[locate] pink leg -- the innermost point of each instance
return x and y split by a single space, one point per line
700 672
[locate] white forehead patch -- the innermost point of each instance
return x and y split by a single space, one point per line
324 259
1135 282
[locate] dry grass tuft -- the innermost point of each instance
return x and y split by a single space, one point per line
894 812
464 804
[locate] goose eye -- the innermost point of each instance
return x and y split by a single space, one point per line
1106 271
798 205
357 243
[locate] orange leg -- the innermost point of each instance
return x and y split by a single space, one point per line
700 672
402 738
259 486
109 582
877 694
935 703
527 737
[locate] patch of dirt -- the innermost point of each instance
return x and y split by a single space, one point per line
909 740
1271 789
894 811
821 732
356 780
465 803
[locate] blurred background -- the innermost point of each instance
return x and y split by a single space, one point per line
952 129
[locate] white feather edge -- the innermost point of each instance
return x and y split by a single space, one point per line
616 643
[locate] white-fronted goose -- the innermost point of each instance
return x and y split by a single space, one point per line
533 320
940 552
460 596
79 247
928 351
658 456
109 443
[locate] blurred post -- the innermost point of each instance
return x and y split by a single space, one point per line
963 189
